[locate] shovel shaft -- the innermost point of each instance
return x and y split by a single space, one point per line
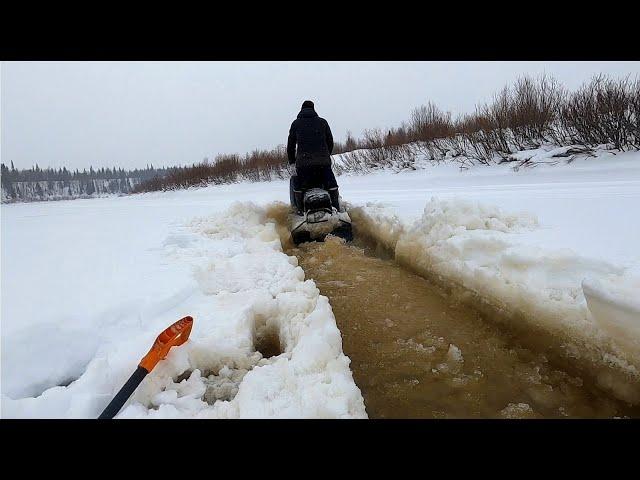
172 336
123 395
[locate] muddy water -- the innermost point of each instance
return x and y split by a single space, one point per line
416 354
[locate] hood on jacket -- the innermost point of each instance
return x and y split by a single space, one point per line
307 113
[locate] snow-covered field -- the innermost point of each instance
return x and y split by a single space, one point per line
88 284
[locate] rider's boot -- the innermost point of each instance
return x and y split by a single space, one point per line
334 195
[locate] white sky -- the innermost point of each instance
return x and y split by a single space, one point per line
128 114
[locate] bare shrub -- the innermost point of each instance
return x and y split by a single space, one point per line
525 115
428 122
428 125
259 165
353 161
535 105
604 111
633 124
372 149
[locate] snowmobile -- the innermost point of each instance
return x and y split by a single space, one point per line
314 215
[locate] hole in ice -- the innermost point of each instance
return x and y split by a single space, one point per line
223 386
268 342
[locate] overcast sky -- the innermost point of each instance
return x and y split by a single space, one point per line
129 114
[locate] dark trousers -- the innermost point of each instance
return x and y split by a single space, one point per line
316 177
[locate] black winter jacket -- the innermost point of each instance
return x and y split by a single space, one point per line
313 138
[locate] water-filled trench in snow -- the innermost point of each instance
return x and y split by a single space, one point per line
417 352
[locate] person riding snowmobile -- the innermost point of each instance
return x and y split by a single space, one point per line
309 147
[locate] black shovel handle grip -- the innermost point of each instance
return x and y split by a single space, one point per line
123 395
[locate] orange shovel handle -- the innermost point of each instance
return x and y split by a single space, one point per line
175 335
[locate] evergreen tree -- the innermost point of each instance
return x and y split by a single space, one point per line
4 174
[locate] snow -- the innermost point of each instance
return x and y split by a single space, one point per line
226 270
88 284
583 205
616 308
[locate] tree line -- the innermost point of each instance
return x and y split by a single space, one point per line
37 174
527 114
35 183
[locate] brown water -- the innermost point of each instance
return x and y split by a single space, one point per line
416 354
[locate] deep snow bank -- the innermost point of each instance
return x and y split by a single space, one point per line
475 249
264 343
